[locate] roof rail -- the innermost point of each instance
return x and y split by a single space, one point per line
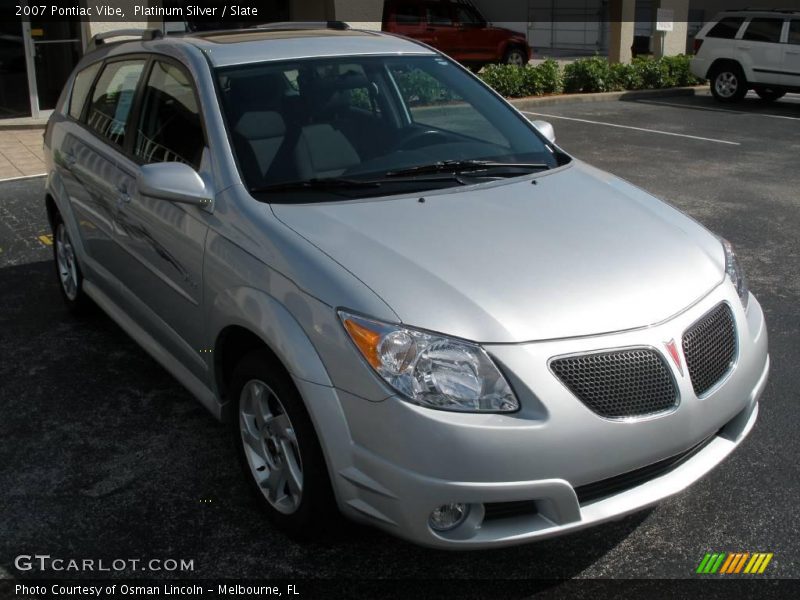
144 35
765 10
297 25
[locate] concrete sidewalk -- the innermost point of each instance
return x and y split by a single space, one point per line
21 153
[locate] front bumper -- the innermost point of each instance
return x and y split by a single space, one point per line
392 462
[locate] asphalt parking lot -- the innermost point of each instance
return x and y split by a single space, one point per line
104 455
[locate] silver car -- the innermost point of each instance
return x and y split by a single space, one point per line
410 304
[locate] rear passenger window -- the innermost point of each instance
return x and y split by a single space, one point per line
113 98
726 28
169 128
81 89
764 30
794 32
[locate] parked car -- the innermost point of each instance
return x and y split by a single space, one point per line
458 29
741 50
408 302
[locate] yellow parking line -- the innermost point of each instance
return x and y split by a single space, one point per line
46 239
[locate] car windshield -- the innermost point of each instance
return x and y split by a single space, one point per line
323 127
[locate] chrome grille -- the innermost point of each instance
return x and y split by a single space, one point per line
619 384
710 348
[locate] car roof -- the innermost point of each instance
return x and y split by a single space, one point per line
243 46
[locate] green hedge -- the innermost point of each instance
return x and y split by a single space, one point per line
593 74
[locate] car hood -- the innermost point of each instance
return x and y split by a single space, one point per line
579 253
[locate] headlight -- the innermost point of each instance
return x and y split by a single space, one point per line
734 271
430 369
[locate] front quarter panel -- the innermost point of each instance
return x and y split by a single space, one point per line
261 276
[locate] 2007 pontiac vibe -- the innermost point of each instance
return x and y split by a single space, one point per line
410 304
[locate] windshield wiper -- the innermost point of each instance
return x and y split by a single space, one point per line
326 183
464 166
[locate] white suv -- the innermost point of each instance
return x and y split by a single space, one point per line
748 49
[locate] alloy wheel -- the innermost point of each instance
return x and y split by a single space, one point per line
726 84
67 264
515 58
270 446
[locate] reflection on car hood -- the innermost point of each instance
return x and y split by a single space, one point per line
579 253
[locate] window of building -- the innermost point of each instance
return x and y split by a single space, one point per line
169 129
726 28
81 89
113 98
764 30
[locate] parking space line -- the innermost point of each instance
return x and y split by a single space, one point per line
683 135
46 239
21 177
722 110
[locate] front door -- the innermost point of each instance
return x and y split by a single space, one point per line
791 61
761 49
56 49
440 31
14 96
90 155
162 242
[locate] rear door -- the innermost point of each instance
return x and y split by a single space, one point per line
161 260
761 51
791 61
91 153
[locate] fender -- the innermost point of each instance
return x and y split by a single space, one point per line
267 318
55 189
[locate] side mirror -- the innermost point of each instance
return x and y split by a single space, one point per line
174 181
546 129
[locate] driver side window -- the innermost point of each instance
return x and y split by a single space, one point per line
169 128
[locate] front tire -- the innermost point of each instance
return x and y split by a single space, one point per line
728 83
68 271
515 56
279 449
769 94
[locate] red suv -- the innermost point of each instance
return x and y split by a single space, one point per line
456 28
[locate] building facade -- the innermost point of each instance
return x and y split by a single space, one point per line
38 51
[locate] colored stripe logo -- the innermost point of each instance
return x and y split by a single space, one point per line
732 563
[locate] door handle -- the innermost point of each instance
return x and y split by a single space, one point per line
430 29
793 52
124 196
68 159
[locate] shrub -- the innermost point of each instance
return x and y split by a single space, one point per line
593 74
549 77
507 80
515 81
625 77
654 73
679 72
587 75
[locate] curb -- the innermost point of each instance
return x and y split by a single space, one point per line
25 127
533 101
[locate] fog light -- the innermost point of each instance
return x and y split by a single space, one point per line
448 516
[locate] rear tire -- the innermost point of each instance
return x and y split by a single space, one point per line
279 450
728 83
769 94
68 271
